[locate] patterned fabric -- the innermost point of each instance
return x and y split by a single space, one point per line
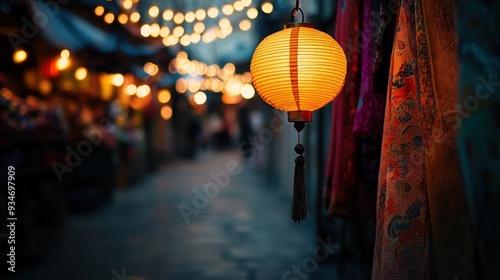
403 237
341 184
478 123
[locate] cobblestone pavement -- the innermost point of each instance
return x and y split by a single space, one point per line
245 232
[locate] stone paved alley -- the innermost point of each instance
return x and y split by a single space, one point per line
244 233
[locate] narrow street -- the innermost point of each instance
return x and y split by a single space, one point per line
244 232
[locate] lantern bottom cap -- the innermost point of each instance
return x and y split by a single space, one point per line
299 116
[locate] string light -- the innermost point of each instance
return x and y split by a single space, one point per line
117 80
245 25
131 89
199 33
122 18
155 30
168 15
109 18
164 96
189 17
135 17
252 13
19 56
179 18
199 27
154 11
127 4
267 7
213 12
99 10
166 112
145 30
200 14
238 6
81 73
227 9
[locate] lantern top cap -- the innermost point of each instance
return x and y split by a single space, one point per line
298 24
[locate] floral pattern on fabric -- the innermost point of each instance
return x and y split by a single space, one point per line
403 234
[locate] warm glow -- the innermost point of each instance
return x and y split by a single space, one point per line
189 17
179 18
168 15
247 91
182 55
178 31
195 38
99 10
200 14
193 86
117 80
65 53
127 4
247 77
154 11
185 40
19 56
200 98
143 91
135 17
238 6
164 96
155 30
62 63
146 30
246 3
229 68
81 73
109 18
130 89
224 23
245 25
170 40
228 9
166 112
252 13
230 99
209 36
212 70
267 8
122 18
150 68
213 12
164 31
315 80
199 27
181 85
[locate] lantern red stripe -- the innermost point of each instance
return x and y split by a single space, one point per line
294 72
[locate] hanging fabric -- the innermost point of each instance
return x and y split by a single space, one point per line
478 123
377 39
451 235
402 248
341 182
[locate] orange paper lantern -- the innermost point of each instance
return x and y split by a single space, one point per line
298 70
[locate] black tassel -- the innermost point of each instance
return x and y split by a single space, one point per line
299 207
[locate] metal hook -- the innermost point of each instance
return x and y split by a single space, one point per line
294 13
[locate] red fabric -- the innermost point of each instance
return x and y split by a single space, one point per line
340 189
403 233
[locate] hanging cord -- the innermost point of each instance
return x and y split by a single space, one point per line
299 207
295 10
